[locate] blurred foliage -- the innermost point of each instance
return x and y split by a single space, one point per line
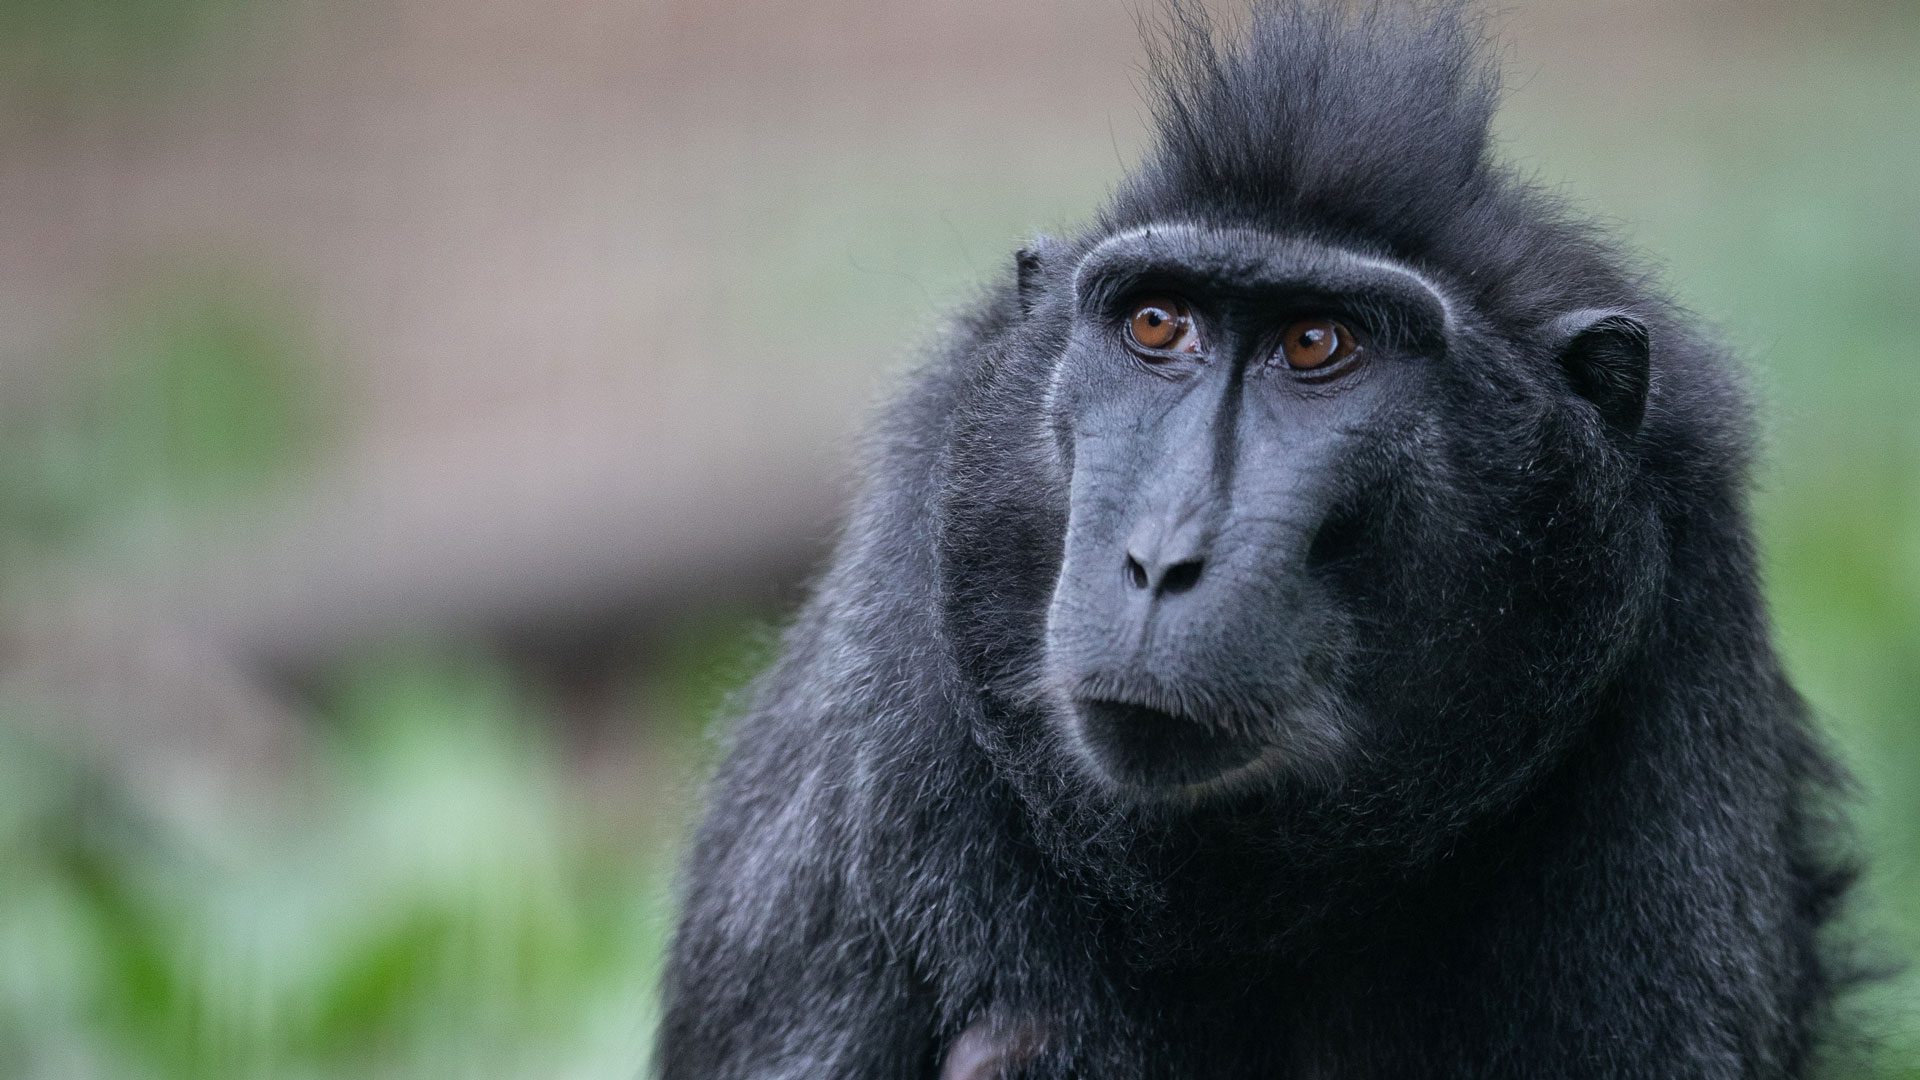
443 903
80 49
195 397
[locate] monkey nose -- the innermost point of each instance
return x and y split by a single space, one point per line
1162 569
1166 547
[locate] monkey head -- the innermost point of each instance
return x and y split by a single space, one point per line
1259 512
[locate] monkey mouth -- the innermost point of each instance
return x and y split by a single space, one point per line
1144 746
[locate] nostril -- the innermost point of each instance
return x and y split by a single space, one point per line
1180 577
1136 574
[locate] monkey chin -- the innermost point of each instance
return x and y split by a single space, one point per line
1148 754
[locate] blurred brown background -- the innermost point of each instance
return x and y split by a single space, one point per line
414 412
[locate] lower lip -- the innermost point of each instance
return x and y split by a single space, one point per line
1145 747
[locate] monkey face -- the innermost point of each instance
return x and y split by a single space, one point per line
1315 515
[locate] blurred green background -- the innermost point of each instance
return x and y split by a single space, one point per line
414 414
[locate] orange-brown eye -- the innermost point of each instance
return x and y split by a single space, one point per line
1315 343
1162 324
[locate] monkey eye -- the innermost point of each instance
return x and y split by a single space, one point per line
1310 344
1163 324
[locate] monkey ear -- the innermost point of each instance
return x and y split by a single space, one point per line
1606 354
1029 263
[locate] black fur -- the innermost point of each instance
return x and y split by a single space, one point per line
1544 805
